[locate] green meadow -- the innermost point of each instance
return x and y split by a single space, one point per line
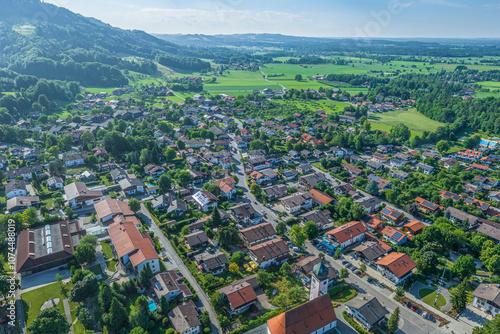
411 118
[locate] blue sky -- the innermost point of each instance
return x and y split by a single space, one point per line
322 18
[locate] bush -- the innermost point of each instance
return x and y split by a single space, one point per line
354 324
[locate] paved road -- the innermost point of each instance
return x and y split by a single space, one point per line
68 315
172 254
275 83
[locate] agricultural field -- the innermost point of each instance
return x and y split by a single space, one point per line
411 118
328 106
493 86
238 83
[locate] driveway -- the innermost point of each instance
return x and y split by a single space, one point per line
40 279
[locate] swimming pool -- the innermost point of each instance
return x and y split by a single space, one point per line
488 143
152 306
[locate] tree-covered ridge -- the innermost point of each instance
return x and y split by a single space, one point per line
66 46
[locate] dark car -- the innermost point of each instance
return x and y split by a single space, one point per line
409 305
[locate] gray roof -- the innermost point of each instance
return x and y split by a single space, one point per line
77 189
184 317
15 185
488 291
370 309
212 261
371 250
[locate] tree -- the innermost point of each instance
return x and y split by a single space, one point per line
85 253
164 305
117 316
238 258
257 145
89 239
5 285
69 213
84 318
105 297
134 204
215 220
393 322
337 252
256 190
298 77
443 146
138 330
164 183
263 277
228 236
344 273
321 255
170 154
281 228
362 267
49 321
297 235
181 145
311 229
464 267
86 288
145 275
459 297
286 269
139 317
234 268
184 178
400 291
372 188
57 168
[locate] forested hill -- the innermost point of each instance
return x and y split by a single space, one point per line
50 42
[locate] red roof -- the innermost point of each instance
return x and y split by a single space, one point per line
304 319
415 226
321 197
479 166
399 264
347 231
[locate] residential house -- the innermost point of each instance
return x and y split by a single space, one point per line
289 174
485 182
21 203
457 215
184 318
133 248
414 227
347 234
305 168
254 235
446 194
320 198
162 202
269 253
312 180
214 264
77 194
379 157
321 218
399 174
170 285
75 159
343 189
55 183
469 155
131 186
491 230
227 187
239 296
196 240
296 202
353 170
275 192
392 215
154 170
382 183
479 167
487 298
305 266
483 206
244 213
393 235
426 206
424 168
367 311
370 204
449 162
205 200
15 188
397 267
371 251
25 172
373 223
374 165
198 176
108 209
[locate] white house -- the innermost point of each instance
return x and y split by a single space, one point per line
15 188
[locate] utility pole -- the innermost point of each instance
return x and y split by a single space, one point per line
441 282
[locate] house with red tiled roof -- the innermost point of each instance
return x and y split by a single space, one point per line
469 155
446 194
394 235
133 248
414 227
239 296
426 205
314 317
397 267
320 198
347 234
479 167
373 223
227 186
483 206
110 208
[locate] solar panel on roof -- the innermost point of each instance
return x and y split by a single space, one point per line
386 211
429 204
397 235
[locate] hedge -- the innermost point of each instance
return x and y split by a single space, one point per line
354 324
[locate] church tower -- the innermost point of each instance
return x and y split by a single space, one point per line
319 281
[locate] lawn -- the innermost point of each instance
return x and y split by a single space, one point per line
35 298
106 249
429 296
343 293
111 265
239 81
411 118
470 289
387 128
96 269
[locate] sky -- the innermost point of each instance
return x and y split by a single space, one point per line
320 18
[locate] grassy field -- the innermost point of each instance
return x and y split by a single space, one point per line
239 82
410 118
387 128
429 296
312 105
34 299
106 249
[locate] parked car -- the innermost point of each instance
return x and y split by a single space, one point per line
409 305
424 315
344 262
296 249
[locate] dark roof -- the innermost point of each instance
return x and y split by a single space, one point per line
370 309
